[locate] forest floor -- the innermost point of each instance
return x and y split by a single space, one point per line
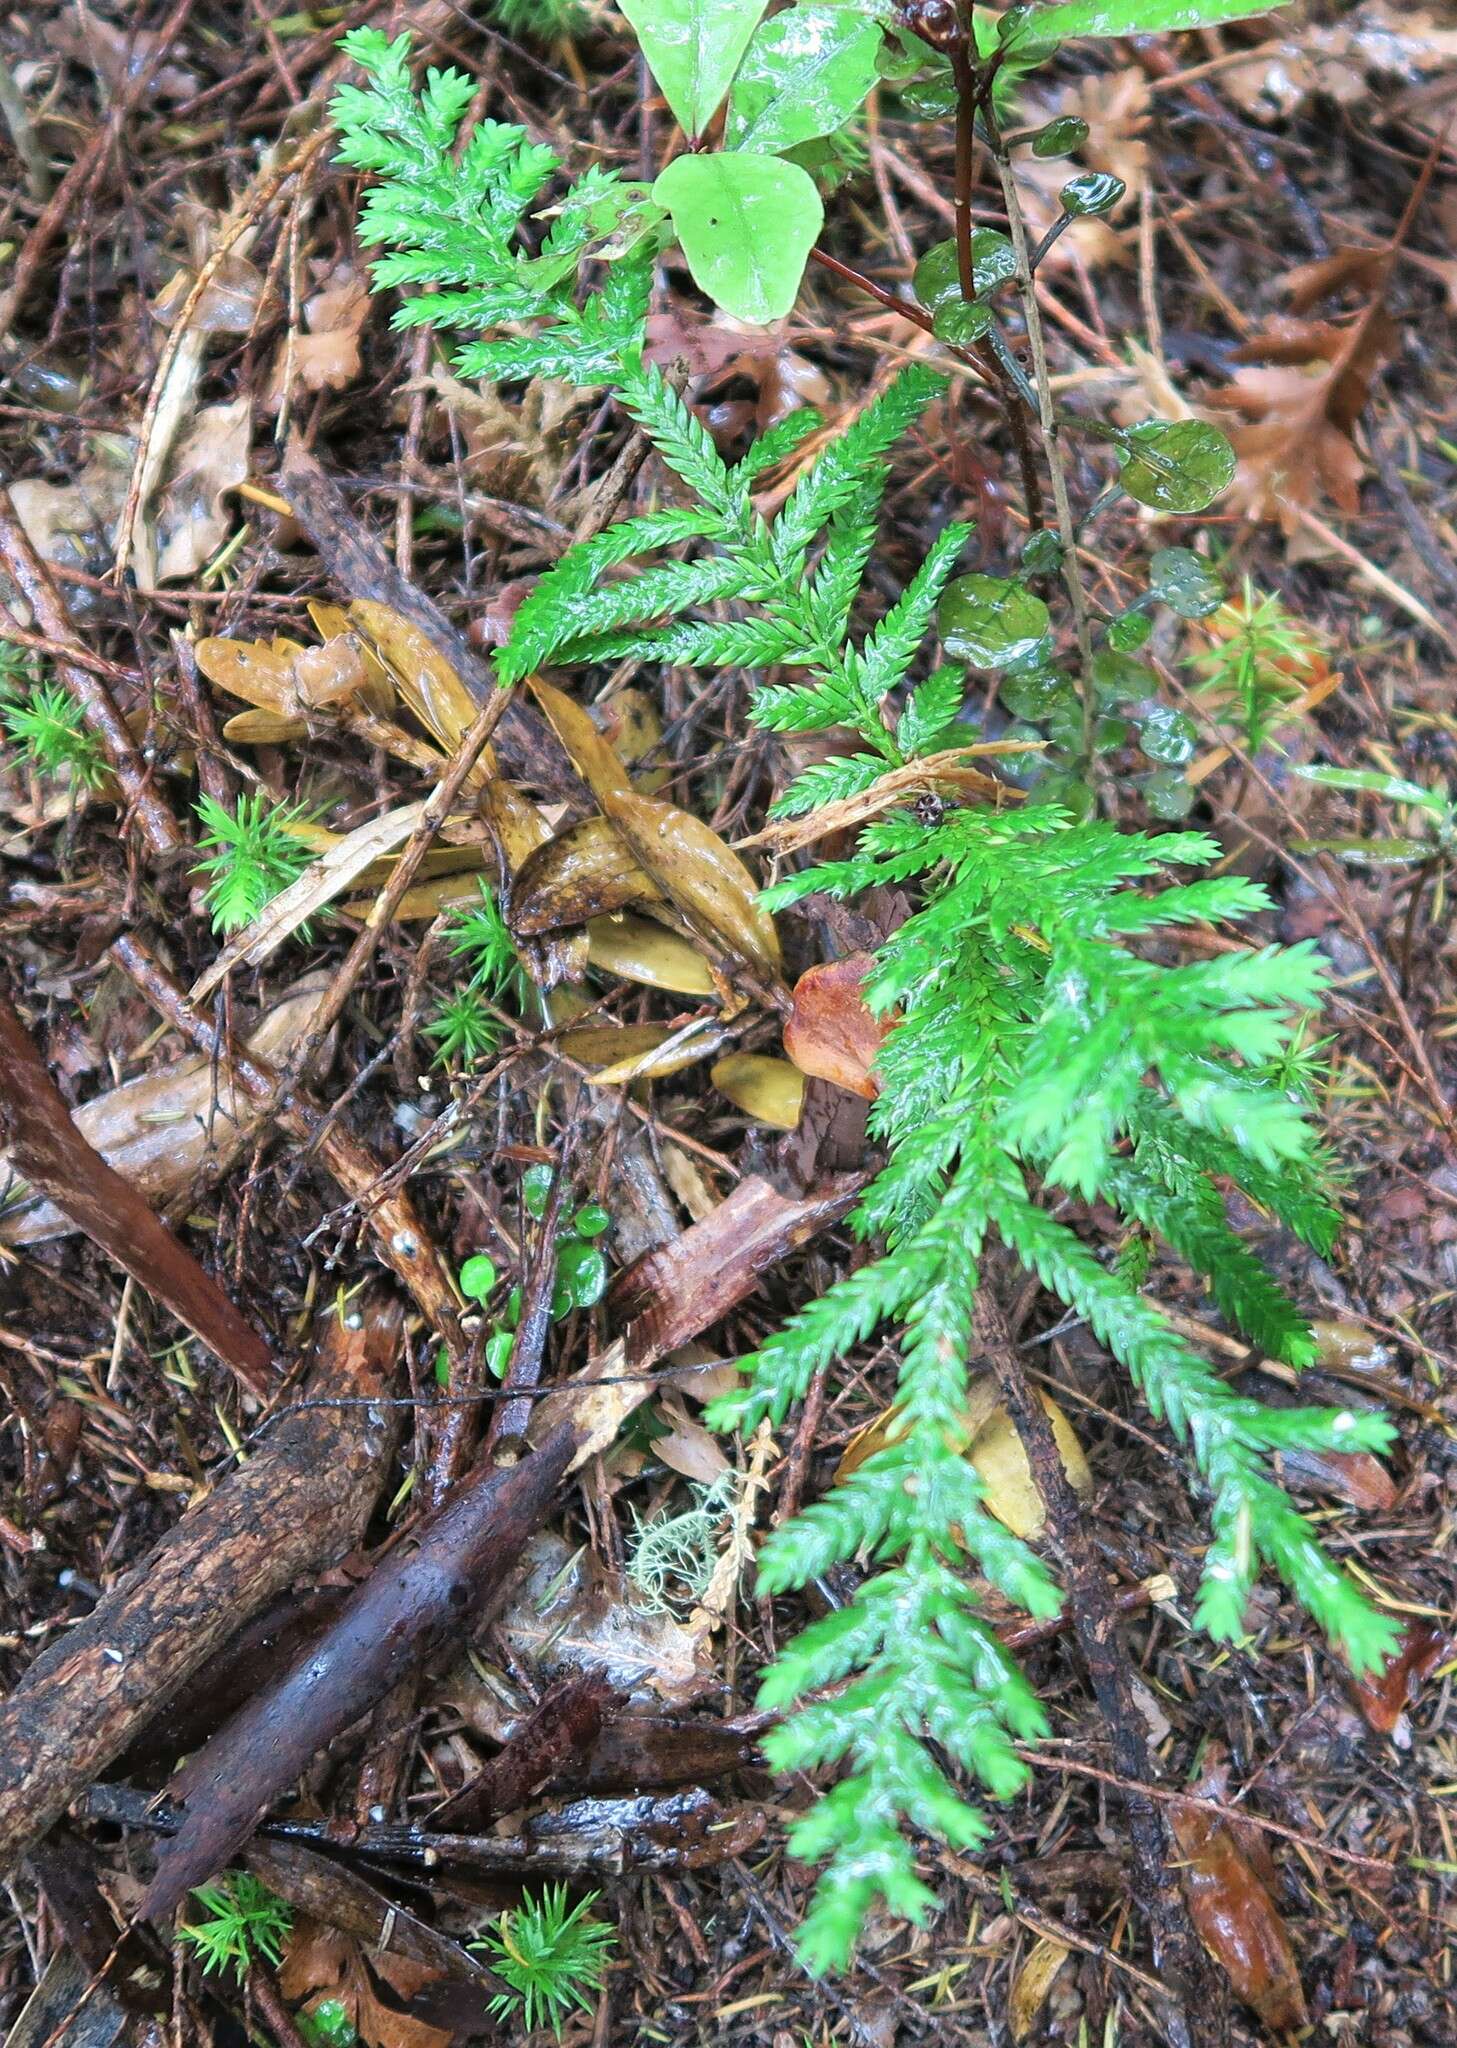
1292 185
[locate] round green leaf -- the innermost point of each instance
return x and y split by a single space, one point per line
1168 735
1061 137
960 322
1091 192
805 73
477 1277
1185 582
1119 679
931 98
1167 794
581 1276
1042 552
498 1352
746 225
937 280
994 622
591 1220
1037 693
1176 465
536 1189
1128 631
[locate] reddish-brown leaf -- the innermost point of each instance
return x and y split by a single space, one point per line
1238 1922
831 1032
1384 1699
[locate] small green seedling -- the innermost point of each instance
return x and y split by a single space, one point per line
553 1960
478 1278
328 2025
245 1923
256 855
49 730
463 1028
1257 665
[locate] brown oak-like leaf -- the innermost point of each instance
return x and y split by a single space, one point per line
831 1032
1238 1921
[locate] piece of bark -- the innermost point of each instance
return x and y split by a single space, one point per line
552 1742
322 1889
362 567
406 1607
298 1504
47 1149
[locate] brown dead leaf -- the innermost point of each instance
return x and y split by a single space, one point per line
1033 1981
321 1964
947 773
326 356
210 460
583 872
691 864
1348 267
1238 1921
1301 391
992 1446
74 524
1384 1699
565 1609
425 680
686 1447
1353 1476
831 1032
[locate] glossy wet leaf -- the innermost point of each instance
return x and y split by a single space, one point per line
1185 582
1384 1699
670 1054
762 1087
1132 17
1238 1921
1167 794
746 225
639 950
605 1045
1168 735
1128 632
1035 1977
581 1276
693 48
1176 465
831 1032
1037 693
1369 853
1091 193
591 1220
426 681
1062 137
1395 788
536 1189
805 73
937 279
961 322
586 870
1042 552
993 622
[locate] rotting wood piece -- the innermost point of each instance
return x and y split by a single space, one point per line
299 1503
53 1157
406 1607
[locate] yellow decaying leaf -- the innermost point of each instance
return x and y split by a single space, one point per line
640 950
424 678
1032 1983
994 1448
692 865
770 1089
675 1050
610 1045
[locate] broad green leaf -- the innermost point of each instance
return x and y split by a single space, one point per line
805 73
1185 582
693 48
1176 465
937 280
993 622
1092 192
1133 18
1168 735
746 225
1060 137
1368 853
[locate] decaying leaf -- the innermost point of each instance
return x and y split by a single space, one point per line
1034 1979
74 524
948 773
993 1447
424 678
160 1129
1384 1698
770 1090
831 1032
1304 387
697 1040
566 1611
695 869
583 872
639 950
322 1965
189 521
326 356
1238 1921
686 1447
610 1045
